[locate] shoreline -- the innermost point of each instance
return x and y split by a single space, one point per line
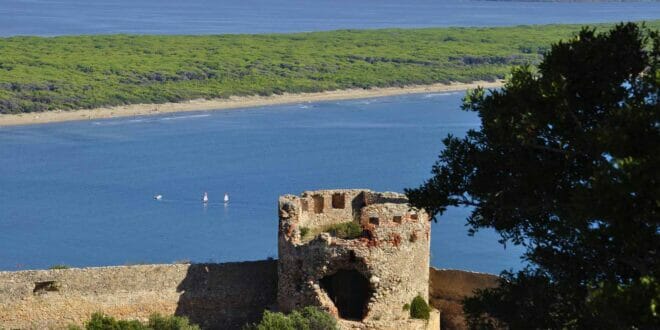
234 102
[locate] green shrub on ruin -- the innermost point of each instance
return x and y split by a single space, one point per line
304 231
419 309
308 318
346 230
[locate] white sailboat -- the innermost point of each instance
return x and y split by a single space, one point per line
226 198
205 198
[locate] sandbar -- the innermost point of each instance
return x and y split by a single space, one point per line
234 102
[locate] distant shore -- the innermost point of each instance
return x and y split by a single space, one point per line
234 102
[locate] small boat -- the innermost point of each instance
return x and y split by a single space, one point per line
226 198
205 198
158 197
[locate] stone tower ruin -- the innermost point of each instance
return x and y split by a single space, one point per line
360 255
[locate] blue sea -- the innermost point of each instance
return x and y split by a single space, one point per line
61 17
80 193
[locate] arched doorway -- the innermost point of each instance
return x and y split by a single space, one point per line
349 290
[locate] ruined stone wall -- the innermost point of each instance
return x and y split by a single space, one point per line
320 208
214 296
386 267
327 207
448 287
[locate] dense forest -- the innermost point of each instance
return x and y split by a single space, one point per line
74 72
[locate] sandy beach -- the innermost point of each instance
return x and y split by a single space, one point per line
230 103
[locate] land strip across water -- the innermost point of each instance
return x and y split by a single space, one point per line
235 102
51 79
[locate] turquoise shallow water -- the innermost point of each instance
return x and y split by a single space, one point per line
80 193
48 17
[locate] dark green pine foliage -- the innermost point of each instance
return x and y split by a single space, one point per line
567 164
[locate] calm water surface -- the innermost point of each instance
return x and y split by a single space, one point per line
81 193
50 17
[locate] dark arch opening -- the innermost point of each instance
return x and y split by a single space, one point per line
349 291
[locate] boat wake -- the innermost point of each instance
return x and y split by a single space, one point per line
433 95
138 120
185 117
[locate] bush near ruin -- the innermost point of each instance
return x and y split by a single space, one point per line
419 309
308 318
99 321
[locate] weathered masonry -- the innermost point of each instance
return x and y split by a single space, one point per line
215 296
364 279
360 255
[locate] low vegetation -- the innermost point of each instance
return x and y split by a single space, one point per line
308 318
345 230
75 72
419 309
100 321
304 232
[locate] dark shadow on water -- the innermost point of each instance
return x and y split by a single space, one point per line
228 295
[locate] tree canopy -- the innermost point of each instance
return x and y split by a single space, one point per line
566 163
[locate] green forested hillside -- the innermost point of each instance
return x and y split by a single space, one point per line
39 74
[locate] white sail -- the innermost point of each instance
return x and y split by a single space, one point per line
205 199
226 198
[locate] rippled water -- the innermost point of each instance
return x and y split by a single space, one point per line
48 17
80 193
